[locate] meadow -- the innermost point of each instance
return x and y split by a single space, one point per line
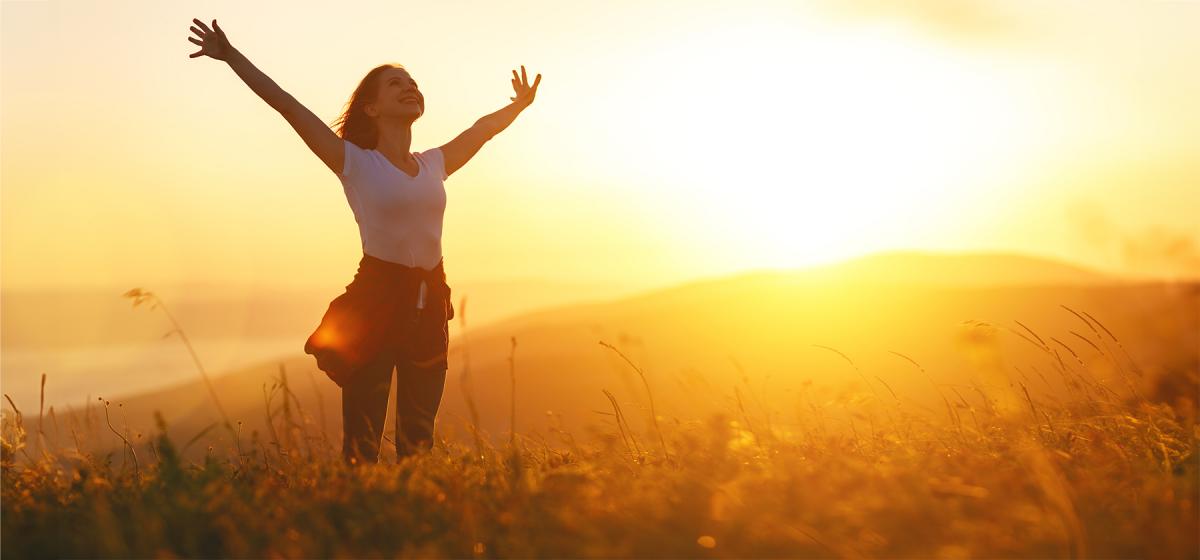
1072 441
1103 474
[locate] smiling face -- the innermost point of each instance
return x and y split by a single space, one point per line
397 96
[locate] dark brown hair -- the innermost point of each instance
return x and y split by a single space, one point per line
355 124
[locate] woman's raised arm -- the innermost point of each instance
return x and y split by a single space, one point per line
463 147
316 134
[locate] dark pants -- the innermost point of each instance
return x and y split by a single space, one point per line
365 401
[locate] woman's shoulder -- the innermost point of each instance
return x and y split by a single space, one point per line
350 145
430 153
434 159
357 159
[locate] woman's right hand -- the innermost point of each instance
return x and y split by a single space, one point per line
212 41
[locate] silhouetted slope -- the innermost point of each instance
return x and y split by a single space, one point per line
764 333
965 269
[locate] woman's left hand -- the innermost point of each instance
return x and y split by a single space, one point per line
525 92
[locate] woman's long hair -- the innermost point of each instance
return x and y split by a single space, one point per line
355 124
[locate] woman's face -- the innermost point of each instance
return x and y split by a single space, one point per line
397 96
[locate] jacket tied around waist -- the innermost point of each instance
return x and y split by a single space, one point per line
386 303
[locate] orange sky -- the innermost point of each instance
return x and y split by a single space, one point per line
669 140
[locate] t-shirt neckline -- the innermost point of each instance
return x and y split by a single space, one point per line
420 166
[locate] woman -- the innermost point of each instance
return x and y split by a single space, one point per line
395 312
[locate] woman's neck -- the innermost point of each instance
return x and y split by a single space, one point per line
395 141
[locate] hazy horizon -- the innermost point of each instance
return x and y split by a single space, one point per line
191 288
95 343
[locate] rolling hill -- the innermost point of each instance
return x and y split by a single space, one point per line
769 339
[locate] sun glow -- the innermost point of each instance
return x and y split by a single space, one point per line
680 139
798 146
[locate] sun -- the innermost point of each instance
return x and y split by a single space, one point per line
784 146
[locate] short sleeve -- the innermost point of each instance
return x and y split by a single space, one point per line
437 160
352 160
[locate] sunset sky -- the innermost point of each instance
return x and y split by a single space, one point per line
669 140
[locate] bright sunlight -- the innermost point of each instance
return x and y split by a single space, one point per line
801 157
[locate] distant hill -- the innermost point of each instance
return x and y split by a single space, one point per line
770 338
947 270
962 269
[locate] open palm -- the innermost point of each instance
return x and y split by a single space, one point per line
212 41
525 92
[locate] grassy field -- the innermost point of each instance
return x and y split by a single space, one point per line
1068 443
1108 472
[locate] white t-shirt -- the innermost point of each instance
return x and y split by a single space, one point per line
399 216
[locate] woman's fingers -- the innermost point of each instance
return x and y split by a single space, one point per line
533 90
196 31
202 26
195 54
197 41
520 83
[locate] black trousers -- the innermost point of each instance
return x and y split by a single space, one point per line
365 400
